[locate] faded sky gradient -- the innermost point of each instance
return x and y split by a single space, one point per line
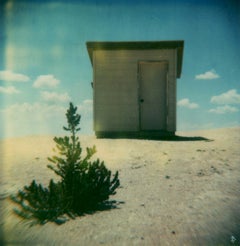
44 62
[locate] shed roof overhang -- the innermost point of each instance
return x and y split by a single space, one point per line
140 45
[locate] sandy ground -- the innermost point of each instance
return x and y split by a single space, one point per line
174 192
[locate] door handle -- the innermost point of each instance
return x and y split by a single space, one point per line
141 100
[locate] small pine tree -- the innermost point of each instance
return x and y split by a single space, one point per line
84 186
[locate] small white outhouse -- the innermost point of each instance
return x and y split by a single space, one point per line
134 87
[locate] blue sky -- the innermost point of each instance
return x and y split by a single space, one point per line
44 62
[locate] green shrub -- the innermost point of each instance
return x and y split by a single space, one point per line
84 186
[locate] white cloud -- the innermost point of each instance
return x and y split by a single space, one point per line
37 118
85 109
223 110
46 81
9 90
190 126
10 76
55 97
208 75
88 101
37 108
86 106
229 97
187 104
42 118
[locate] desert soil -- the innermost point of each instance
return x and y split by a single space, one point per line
183 192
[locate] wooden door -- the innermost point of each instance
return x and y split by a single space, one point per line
153 95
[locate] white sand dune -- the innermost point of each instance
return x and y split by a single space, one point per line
174 192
